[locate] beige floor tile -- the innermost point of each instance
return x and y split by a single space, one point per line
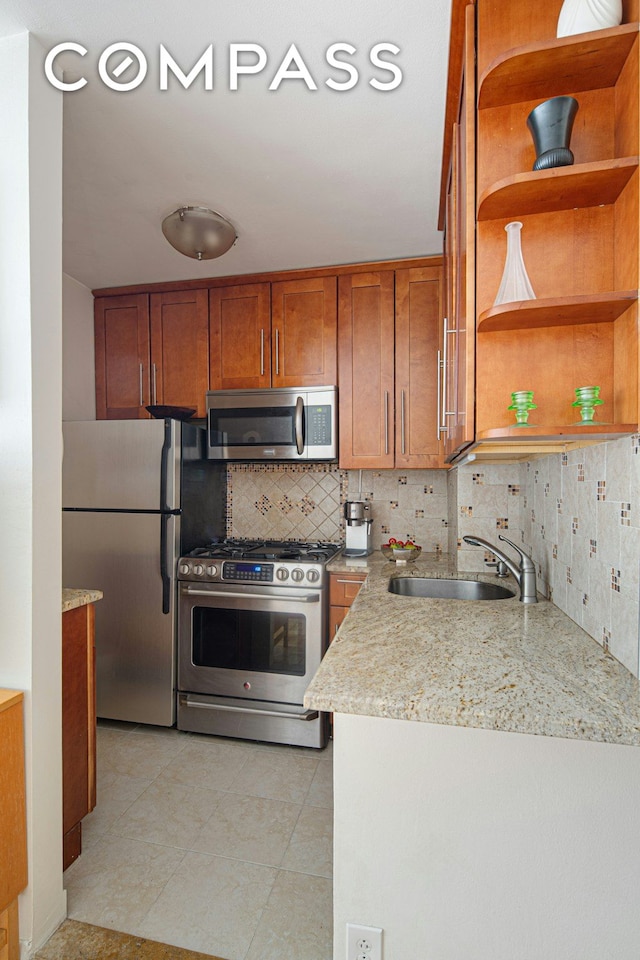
211 904
321 789
137 754
115 881
311 847
169 813
213 763
278 776
249 828
297 922
115 794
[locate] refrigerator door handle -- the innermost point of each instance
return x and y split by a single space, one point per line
164 566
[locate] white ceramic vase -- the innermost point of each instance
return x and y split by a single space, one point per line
582 16
515 284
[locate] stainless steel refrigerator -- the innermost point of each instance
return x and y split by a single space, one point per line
136 494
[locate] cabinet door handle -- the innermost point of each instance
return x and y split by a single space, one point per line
153 376
402 430
277 351
386 421
262 352
439 429
141 388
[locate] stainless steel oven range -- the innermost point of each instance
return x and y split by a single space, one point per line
252 628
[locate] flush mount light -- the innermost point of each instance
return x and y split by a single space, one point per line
198 232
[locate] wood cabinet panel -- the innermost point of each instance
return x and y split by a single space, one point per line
180 349
343 589
78 726
418 312
13 831
240 337
304 332
366 332
123 385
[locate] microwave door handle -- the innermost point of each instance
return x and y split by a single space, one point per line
299 425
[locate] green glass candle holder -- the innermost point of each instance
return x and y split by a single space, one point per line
522 403
587 398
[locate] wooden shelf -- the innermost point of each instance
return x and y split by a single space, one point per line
557 311
552 433
561 188
564 66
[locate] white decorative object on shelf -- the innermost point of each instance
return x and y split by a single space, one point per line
515 283
583 16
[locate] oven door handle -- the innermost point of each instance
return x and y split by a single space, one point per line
307 715
214 595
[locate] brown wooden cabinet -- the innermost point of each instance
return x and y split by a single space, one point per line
13 830
78 726
122 357
180 349
273 335
151 349
388 329
343 589
580 229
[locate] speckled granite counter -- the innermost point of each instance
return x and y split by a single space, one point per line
78 598
499 665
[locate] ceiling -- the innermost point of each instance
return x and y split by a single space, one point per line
307 177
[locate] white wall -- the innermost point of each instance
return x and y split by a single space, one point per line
475 843
30 439
78 364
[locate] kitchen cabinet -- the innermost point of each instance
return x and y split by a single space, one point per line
13 830
388 329
343 589
280 334
579 235
457 356
78 726
151 349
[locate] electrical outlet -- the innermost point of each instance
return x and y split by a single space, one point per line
364 943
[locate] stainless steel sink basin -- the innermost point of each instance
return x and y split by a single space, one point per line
443 589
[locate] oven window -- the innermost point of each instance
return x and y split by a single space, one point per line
249 640
259 427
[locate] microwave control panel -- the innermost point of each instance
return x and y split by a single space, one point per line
318 425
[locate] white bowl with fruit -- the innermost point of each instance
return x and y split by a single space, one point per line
401 551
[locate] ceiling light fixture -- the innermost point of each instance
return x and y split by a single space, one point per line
199 232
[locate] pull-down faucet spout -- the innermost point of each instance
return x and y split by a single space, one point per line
524 575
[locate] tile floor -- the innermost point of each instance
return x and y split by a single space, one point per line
214 845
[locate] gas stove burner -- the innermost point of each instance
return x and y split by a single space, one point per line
280 550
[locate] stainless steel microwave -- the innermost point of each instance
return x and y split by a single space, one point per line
273 424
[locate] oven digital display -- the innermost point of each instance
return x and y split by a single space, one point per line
254 572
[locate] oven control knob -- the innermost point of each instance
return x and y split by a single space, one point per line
212 570
313 576
198 569
282 573
297 574
184 568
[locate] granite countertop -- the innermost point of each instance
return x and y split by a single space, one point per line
498 665
78 598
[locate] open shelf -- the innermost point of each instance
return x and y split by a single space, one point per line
557 311
552 432
556 67
561 188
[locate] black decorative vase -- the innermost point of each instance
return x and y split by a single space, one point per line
551 124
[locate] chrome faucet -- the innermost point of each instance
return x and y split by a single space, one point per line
525 574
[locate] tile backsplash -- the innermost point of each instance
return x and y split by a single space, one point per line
576 514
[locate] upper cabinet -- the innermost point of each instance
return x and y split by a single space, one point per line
273 335
580 228
151 349
388 329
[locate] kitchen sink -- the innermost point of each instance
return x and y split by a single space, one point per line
443 589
